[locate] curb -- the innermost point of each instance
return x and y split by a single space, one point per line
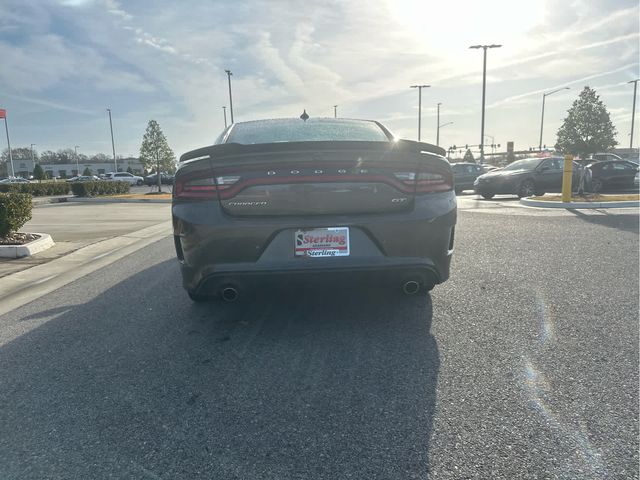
549 204
35 201
22 287
118 200
16 251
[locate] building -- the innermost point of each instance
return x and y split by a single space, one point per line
24 168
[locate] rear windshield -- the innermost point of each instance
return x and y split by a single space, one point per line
313 130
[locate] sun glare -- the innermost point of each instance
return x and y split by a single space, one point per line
453 26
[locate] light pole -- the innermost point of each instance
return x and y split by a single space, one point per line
77 163
230 98
113 145
633 111
335 111
224 111
32 158
439 127
544 96
419 87
484 89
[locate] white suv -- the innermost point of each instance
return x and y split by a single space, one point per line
125 177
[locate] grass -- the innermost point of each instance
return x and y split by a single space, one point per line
592 198
144 196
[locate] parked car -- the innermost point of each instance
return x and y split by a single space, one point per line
84 178
465 174
612 175
321 196
125 177
14 180
152 179
604 157
526 177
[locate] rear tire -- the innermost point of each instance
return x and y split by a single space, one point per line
527 189
487 196
458 191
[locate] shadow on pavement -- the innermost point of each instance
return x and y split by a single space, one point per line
625 222
333 382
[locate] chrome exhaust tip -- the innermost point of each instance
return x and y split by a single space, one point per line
411 287
229 294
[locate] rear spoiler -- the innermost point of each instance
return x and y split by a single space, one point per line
233 149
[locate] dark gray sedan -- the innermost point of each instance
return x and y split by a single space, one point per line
526 177
288 197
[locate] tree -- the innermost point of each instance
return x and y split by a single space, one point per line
38 172
87 172
155 151
130 170
468 156
587 128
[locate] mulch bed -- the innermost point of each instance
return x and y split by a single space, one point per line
18 238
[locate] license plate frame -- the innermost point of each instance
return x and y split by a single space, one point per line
322 242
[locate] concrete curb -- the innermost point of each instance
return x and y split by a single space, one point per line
118 200
547 204
19 288
16 251
35 201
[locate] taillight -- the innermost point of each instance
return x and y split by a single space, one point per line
426 182
201 185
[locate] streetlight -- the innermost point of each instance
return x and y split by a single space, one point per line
633 111
32 160
77 163
419 87
230 98
484 88
113 145
545 95
440 126
224 111
335 111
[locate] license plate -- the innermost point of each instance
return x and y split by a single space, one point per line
322 242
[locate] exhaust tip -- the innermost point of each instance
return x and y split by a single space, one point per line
411 287
229 294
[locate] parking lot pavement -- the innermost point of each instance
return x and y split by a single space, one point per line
522 366
75 225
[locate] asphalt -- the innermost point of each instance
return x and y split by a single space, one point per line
524 365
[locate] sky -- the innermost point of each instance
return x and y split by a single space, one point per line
64 62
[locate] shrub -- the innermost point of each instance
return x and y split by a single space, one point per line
37 189
92 189
15 211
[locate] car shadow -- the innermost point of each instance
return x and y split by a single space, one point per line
334 381
620 221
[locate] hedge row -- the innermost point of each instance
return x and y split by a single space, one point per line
37 189
15 211
92 189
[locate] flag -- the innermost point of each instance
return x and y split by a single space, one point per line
3 113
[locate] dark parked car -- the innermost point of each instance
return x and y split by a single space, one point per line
465 174
525 178
321 196
617 175
152 179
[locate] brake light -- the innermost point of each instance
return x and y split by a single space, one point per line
201 185
427 182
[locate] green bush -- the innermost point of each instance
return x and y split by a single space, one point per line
37 189
92 189
15 211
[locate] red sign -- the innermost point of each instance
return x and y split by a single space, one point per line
3 113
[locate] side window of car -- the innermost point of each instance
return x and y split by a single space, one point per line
619 166
455 168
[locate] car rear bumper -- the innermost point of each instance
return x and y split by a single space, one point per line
215 249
